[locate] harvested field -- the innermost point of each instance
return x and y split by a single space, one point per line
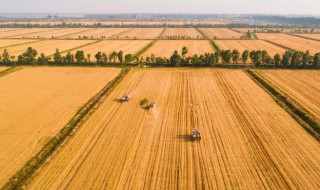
303 86
242 45
48 47
220 33
108 46
165 48
248 141
313 36
140 33
35 103
292 42
182 33
10 42
8 29
22 31
277 30
98 33
55 33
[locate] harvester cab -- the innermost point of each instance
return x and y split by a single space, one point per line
196 134
125 98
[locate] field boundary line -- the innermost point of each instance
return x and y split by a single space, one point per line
13 45
213 44
282 46
32 33
23 175
145 48
295 110
304 37
9 70
84 45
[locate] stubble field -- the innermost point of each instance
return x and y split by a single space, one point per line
302 86
35 103
242 45
183 32
165 48
248 141
221 33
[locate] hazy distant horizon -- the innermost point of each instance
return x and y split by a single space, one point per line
270 7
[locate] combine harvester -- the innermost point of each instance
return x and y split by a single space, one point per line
125 98
196 134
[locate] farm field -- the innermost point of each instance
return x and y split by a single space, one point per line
220 33
48 47
35 103
242 45
313 36
3 68
165 48
108 46
55 33
98 33
184 32
292 42
9 42
140 33
23 31
303 86
284 30
248 141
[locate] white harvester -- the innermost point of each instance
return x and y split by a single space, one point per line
125 98
196 134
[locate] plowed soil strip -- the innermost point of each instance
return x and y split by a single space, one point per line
248 141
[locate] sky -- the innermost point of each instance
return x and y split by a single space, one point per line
296 7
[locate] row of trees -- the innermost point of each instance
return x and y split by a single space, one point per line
288 59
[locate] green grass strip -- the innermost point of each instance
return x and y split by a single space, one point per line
308 38
304 118
13 45
78 47
9 70
145 48
282 46
18 180
213 44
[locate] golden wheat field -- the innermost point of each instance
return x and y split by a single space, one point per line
313 36
302 86
242 45
292 42
181 32
108 46
23 31
3 68
248 141
98 33
165 48
10 42
48 47
55 33
35 103
140 33
220 33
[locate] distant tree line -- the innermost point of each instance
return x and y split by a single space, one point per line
290 59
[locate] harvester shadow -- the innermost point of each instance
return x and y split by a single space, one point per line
117 100
185 138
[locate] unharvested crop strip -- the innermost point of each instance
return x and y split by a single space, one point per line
305 119
18 180
10 70
213 44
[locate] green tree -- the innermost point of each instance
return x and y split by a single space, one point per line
286 57
57 56
104 57
99 57
5 56
28 57
212 60
296 59
175 59
69 58
128 58
89 57
120 56
226 56
305 58
316 60
79 56
184 51
245 56
277 59
43 59
153 58
235 56
113 56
